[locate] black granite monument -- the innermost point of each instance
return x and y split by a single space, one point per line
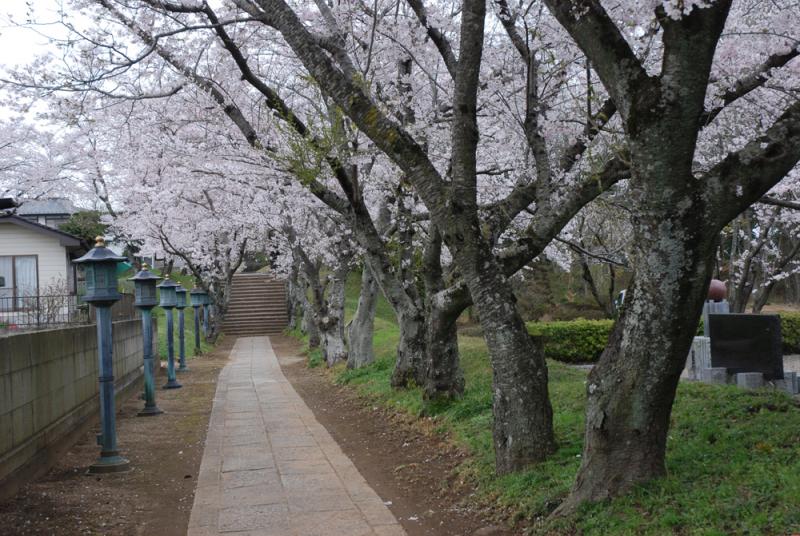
747 343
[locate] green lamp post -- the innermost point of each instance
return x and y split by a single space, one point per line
182 303
168 302
196 296
145 299
101 291
206 303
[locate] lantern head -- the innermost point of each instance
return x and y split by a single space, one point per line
100 269
168 297
196 295
180 295
145 285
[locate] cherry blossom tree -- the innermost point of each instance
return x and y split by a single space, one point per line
505 123
759 248
523 418
669 103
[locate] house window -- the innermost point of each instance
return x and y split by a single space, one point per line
55 221
18 279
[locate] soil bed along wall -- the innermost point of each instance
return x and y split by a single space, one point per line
155 497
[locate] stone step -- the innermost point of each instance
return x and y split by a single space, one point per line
251 296
254 329
255 300
237 280
259 311
248 304
254 325
249 321
257 331
274 328
237 319
248 280
257 305
258 290
276 286
258 282
256 310
258 294
255 320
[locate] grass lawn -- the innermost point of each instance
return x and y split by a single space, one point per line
733 456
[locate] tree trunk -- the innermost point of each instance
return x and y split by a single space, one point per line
399 289
523 417
220 294
442 375
763 297
588 278
308 325
331 322
631 390
294 303
410 349
444 379
361 329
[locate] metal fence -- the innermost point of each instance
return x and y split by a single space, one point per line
121 310
25 313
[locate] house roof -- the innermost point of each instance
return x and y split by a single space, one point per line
46 207
69 241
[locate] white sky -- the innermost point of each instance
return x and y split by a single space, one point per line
20 42
19 45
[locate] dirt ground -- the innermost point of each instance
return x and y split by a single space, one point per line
155 497
406 464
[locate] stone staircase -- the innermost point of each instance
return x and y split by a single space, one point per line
257 305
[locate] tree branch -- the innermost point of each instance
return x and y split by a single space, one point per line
596 34
743 177
509 22
548 220
438 38
749 83
768 200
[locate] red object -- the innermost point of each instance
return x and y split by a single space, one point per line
717 290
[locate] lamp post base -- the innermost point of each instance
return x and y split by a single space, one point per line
149 412
110 464
172 384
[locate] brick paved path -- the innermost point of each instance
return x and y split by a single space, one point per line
270 469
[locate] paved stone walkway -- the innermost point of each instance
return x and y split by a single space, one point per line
270 469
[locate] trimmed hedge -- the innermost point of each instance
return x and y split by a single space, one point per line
790 331
574 341
582 341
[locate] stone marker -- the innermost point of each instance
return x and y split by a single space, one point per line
788 383
750 380
747 343
713 375
699 358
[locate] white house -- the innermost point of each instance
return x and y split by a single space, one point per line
35 260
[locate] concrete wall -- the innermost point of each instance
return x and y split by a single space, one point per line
49 393
52 257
